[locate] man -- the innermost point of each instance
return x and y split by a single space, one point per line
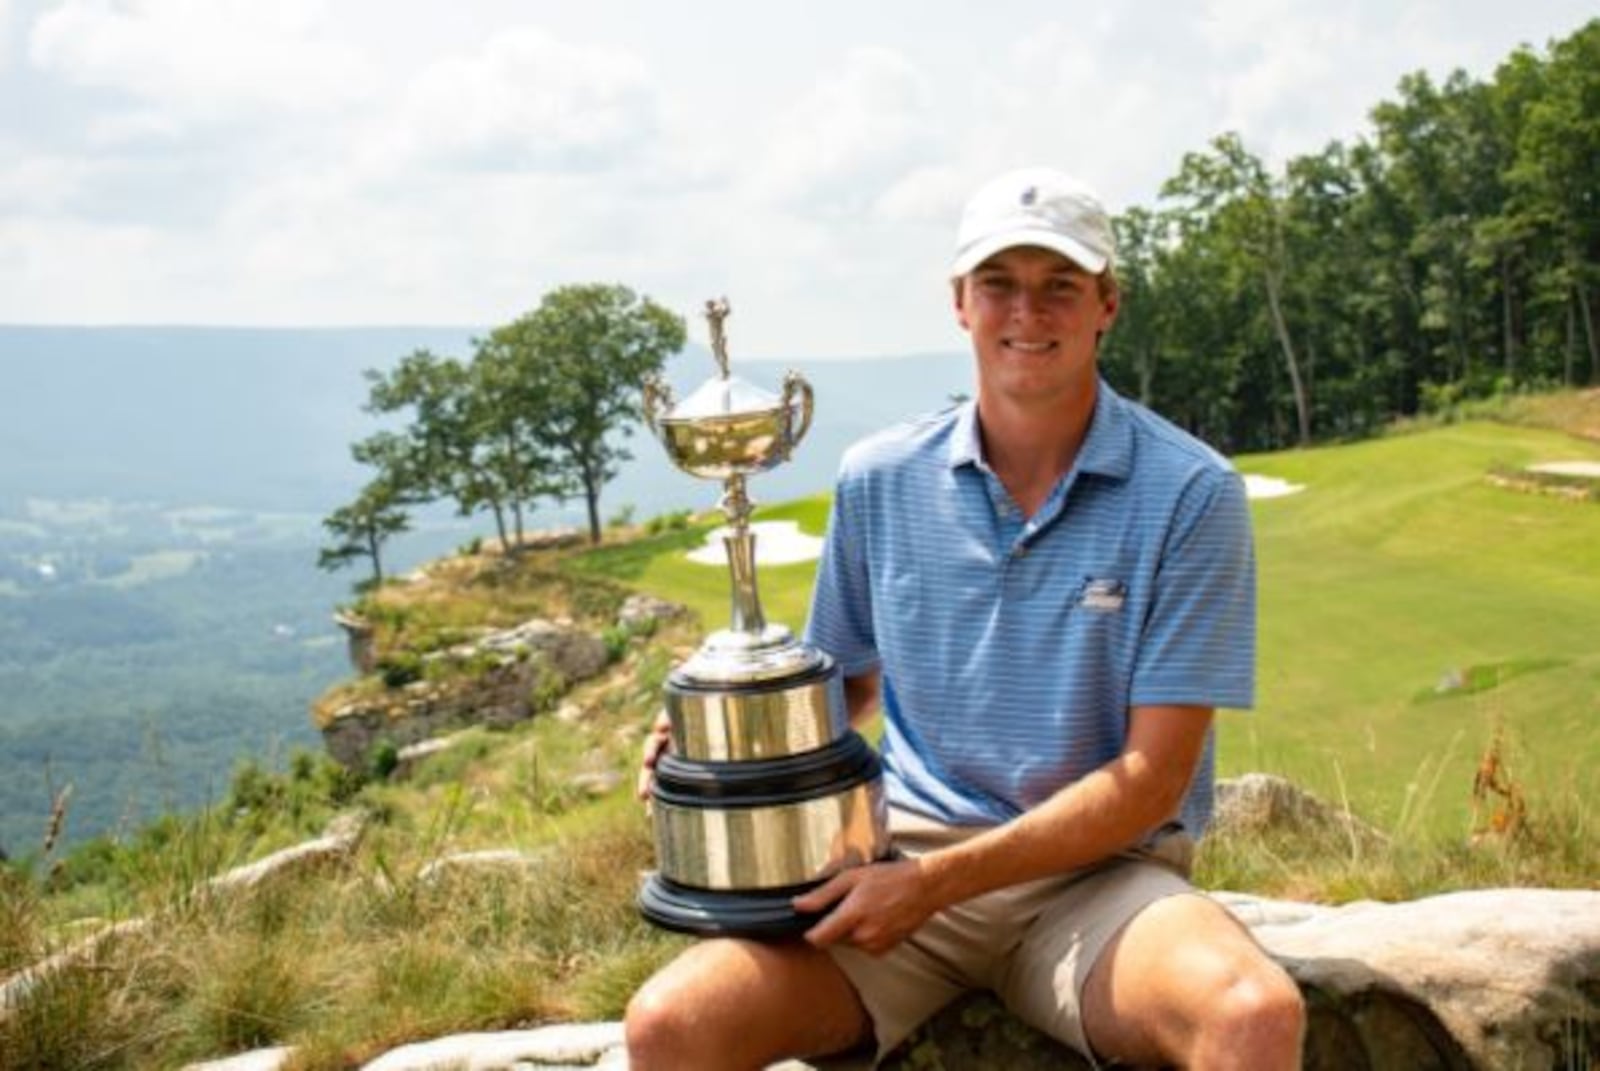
1049 590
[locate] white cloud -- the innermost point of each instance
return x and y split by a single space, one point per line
202 60
5 34
42 184
132 126
931 194
527 99
849 136
383 161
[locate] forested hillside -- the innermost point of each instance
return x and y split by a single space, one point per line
1450 251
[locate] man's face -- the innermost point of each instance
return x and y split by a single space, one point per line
1035 318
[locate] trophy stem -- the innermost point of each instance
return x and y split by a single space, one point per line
741 548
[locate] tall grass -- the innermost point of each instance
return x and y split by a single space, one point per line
1397 563
347 963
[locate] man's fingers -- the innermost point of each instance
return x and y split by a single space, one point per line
838 924
656 743
829 892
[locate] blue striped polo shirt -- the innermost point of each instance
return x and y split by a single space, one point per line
1012 649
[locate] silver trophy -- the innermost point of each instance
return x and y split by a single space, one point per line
766 791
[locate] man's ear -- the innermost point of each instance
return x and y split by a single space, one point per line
958 289
1111 301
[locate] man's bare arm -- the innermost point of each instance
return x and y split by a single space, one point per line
1083 823
861 695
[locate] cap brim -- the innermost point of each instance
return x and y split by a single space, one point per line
978 252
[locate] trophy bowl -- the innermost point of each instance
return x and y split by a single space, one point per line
729 427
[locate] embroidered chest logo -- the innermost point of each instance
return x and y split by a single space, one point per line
1103 594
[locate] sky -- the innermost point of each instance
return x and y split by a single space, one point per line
375 162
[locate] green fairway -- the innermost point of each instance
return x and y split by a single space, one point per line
1397 568
661 567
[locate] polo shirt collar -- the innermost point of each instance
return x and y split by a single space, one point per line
1107 450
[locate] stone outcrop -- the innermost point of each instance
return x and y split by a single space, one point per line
360 643
333 847
512 674
1490 980
1511 975
487 861
1257 802
647 611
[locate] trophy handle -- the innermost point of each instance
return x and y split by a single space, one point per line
657 398
795 384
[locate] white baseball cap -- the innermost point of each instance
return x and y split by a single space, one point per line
1035 206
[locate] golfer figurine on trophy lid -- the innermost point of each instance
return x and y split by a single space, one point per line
765 790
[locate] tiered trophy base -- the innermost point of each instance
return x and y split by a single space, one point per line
737 838
763 914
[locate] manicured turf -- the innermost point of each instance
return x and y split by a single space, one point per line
1398 567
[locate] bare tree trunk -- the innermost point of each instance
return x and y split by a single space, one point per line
1568 355
500 523
516 517
591 494
1508 332
373 550
1302 406
1588 330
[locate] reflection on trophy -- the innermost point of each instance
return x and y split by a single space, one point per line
766 791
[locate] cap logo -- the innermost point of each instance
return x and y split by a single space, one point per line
1030 195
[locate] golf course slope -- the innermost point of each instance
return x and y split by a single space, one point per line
1411 610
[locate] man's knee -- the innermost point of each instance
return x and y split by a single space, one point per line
1259 1010
657 1027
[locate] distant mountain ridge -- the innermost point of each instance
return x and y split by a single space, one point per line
161 613
262 418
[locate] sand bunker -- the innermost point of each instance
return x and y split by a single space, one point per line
782 542
777 543
1585 469
1256 486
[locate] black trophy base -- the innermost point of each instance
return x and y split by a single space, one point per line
766 914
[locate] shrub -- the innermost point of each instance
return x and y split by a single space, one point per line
400 669
675 521
616 639
548 688
385 756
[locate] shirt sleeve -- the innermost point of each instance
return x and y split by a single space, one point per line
840 621
1199 642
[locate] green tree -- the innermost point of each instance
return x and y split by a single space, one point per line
378 512
1135 341
438 455
1555 181
1231 193
574 366
362 527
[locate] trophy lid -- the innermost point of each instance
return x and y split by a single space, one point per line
724 398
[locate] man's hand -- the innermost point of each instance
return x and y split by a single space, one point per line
878 905
656 744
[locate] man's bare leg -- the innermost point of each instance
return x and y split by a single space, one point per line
741 1005
1186 984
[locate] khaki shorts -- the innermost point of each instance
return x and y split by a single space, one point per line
1032 944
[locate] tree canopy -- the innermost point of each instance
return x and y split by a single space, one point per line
577 361
1451 252
535 413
